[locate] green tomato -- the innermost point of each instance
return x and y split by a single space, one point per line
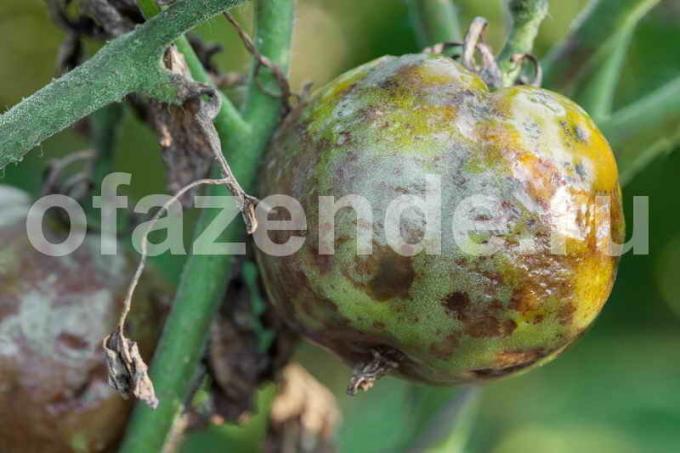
383 130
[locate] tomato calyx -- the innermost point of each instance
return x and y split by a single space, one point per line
473 47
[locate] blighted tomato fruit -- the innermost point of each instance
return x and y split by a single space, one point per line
54 313
520 171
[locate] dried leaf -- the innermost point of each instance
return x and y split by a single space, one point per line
304 414
127 371
186 132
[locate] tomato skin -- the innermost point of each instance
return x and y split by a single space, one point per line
54 314
379 131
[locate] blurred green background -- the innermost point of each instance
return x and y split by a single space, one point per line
616 390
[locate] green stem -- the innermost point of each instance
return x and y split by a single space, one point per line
229 117
130 63
645 129
592 39
203 281
435 21
527 16
444 425
596 94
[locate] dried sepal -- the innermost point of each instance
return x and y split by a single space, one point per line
366 374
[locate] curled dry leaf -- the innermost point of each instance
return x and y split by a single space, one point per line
128 373
186 132
304 414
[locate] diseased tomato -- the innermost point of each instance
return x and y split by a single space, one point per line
384 130
54 314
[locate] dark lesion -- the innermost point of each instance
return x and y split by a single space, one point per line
394 278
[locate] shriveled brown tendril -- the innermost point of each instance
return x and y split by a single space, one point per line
127 370
521 58
285 94
75 185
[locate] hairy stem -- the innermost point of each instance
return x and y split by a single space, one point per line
204 278
645 129
592 39
527 16
130 63
229 118
72 97
434 21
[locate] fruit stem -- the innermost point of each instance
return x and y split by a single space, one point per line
435 21
527 16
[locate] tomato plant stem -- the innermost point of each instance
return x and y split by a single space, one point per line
229 117
646 129
527 16
596 93
595 35
130 63
202 286
435 21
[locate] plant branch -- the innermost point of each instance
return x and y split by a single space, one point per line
229 119
435 21
130 63
596 93
527 16
204 279
593 38
645 129
445 427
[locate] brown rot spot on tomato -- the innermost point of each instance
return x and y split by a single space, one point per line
456 305
394 277
446 347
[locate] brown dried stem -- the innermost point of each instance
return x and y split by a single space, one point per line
281 79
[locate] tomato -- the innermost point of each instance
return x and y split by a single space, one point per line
383 130
54 314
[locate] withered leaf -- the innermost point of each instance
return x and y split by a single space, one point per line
186 132
304 414
128 373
